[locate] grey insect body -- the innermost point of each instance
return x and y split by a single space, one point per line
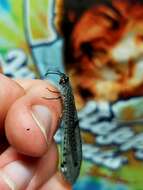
71 140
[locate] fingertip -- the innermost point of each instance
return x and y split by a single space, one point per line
32 121
23 133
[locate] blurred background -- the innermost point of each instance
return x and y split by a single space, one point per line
99 43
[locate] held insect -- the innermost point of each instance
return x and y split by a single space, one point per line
71 140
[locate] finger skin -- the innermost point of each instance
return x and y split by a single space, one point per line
57 182
9 92
15 110
8 156
3 185
31 142
46 168
28 173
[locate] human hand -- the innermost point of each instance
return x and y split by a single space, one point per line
28 122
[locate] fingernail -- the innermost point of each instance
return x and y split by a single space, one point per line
16 175
43 118
7 182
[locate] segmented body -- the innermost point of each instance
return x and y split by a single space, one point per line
71 140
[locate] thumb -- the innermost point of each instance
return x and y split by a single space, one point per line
33 119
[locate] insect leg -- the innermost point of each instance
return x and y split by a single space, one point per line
53 72
54 98
57 92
